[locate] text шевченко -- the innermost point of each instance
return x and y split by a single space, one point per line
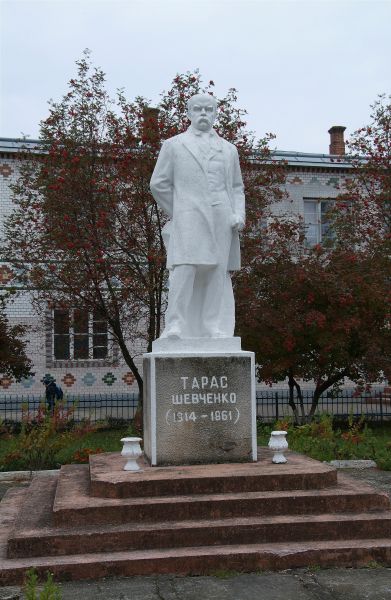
205 397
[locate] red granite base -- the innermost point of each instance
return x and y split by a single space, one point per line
73 504
109 480
201 561
190 520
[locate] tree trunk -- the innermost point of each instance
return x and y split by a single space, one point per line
321 387
129 360
292 384
138 416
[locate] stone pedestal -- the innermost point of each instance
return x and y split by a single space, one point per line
199 406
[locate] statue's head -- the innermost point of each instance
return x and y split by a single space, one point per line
201 110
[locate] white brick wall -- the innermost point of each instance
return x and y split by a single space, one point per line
75 380
81 380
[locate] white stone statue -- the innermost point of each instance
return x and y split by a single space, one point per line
198 183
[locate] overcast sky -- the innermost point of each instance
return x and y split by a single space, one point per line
299 66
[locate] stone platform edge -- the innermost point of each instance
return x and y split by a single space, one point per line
197 345
27 475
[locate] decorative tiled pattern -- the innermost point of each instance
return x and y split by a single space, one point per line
317 184
296 180
109 378
5 170
89 379
5 382
68 380
27 382
6 274
129 378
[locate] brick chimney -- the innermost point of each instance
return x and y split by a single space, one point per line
337 142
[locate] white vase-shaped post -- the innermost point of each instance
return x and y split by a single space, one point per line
132 452
278 444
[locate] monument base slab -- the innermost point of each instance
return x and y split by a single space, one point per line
97 520
199 408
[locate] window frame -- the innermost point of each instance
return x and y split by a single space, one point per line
320 235
52 361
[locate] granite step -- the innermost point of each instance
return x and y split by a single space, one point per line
73 506
10 507
35 534
26 516
109 480
201 560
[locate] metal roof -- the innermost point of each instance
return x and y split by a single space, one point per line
17 144
306 159
292 158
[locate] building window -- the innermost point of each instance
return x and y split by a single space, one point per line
316 221
79 335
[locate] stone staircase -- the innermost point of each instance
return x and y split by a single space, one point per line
98 520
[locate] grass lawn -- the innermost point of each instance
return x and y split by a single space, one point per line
108 441
318 440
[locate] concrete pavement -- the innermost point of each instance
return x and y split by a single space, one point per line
302 584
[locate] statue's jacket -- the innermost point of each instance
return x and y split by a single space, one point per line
179 185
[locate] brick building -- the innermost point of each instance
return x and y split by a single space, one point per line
81 358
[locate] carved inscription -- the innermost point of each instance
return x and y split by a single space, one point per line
195 401
201 408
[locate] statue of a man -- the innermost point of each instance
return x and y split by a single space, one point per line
198 183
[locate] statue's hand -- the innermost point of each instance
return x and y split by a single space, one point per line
237 222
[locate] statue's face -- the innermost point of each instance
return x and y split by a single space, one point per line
202 112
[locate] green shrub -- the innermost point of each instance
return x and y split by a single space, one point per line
42 436
9 427
117 423
382 456
50 590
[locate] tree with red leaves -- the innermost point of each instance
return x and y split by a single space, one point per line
86 231
364 210
322 314
13 359
313 314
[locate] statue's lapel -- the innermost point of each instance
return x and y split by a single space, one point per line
216 146
191 145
